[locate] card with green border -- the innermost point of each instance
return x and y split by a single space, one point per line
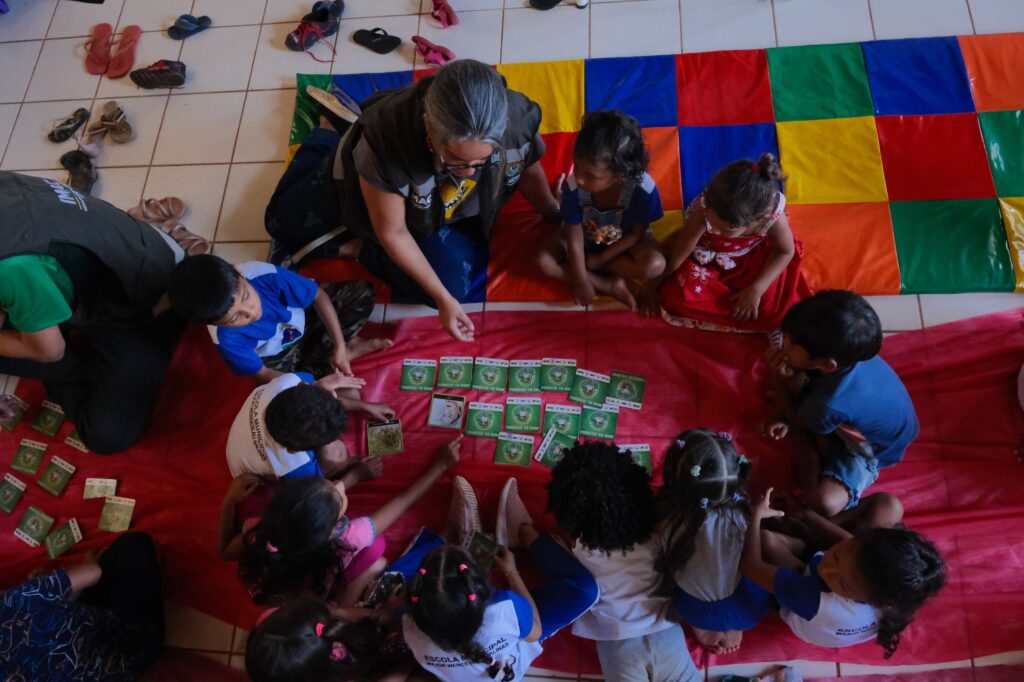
28 456
553 448
599 422
641 453
556 374
19 407
589 388
484 419
99 487
522 414
49 418
418 375
524 376
384 438
562 418
56 476
75 441
455 372
446 411
490 374
626 390
63 539
482 548
513 448
117 514
11 490
34 526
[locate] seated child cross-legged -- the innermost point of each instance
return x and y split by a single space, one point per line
268 321
602 500
867 585
735 265
847 410
705 514
608 204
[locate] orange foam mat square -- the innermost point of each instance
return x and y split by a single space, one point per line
995 64
663 145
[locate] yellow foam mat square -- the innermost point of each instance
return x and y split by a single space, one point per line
1013 221
556 86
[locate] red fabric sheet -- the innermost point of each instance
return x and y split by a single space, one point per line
961 481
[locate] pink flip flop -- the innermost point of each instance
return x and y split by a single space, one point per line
97 50
443 12
431 53
123 58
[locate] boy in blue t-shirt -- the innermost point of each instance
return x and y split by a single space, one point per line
831 382
268 321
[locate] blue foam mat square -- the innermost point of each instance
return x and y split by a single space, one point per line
643 87
359 86
916 76
704 150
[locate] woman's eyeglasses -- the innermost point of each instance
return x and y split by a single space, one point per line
497 158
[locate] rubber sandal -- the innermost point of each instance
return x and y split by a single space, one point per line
431 53
165 73
321 22
188 25
190 242
123 57
378 40
116 123
443 12
334 104
81 175
97 49
63 130
544 4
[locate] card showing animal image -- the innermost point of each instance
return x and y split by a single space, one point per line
524 376
563 418
599 422
418 375
589 388
384 438
513 448
482 548
455 372
522 414
490 374
557 374
484 419
446 411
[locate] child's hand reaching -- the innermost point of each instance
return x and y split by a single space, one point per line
338 382
747 303
776 429
763 510
448 454
505 560
379 411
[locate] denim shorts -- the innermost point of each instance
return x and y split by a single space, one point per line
854 470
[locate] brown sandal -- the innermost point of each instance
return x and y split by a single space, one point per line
190 242
113 121
158 210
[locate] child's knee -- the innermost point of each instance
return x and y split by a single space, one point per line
654 265
886 509
829 497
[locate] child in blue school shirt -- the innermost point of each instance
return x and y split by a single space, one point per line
268 321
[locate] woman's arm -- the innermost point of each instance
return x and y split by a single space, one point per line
387 213
533 185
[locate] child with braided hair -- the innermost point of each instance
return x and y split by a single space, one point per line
704 514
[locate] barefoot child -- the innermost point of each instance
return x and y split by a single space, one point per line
866 586
608 204
267 321
705 512
734 266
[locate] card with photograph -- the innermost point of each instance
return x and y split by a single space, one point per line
446 411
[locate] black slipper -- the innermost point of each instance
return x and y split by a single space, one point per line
544 4
378 40
81 174
63 130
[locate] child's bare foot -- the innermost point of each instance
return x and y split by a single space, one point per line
710 640
358 346
731 642
621 293
350 249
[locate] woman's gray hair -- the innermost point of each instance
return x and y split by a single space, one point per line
467 101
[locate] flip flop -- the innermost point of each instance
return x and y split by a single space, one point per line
443 12
112 121
63 130
431 53
97 49
333 104
378 40
123 57
190 242
544 4
81 175
188 25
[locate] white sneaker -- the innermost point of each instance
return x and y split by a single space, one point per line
512 515
464 511
582 4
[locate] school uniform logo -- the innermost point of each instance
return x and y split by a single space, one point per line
453 195
421 201
513 169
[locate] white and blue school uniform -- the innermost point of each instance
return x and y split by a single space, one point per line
250 447
285 297
817 615
638 204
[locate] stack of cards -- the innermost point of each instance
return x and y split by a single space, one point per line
28 456
513 448
49 419
599 422
455 372
63 539
446 411
589 388
490 374
484 420
20 407
384 438
11 490
524 376
562 418
557 374
626 390
34 526
56 476
553 448
641 454
99 487
117 514
418 375
523 414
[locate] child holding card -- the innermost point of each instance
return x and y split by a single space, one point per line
602 500
266 320
104 616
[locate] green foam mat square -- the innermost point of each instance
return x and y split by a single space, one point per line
819 81
1004 144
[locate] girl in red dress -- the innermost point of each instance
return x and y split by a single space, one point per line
735 265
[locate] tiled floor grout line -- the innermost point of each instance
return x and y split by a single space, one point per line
775 24
970 13
871 18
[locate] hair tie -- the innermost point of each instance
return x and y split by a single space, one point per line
742 459
471 596
338 651
756 167
423 571
704 502
463 568
695 471
736 496
271 548
681 442
319 629
726 436
414 599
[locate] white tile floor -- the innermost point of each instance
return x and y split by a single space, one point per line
220 140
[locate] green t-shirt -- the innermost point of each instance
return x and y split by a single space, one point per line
35 291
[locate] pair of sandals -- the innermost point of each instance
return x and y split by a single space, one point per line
105 56
382 42
165 215
187 25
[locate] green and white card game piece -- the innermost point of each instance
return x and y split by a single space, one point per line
490 374
56 476
482 548
524 376
599 422
455 372
11 490
641 453
522 414
484 419
418 375
553 448
117 514
19 407
99 487
63 539
384 438
446 411
513 448
49 419
556 374
562 418
626 390
589 388
34 526
75 441
28 456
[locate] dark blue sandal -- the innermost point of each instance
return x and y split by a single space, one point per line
188 25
